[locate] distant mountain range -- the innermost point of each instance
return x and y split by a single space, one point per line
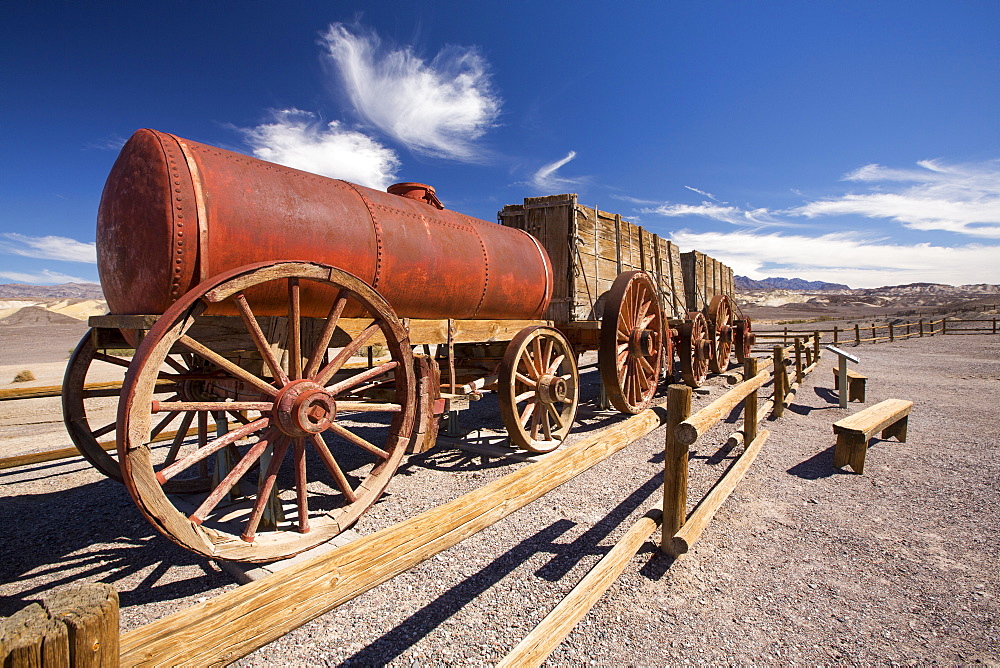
743 284
64 291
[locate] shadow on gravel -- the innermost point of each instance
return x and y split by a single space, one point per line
818 466
411 630
49 542
827 395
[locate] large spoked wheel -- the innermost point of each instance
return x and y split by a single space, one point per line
631 349
693 349
91 390
325 454
743 339
720 323
539 389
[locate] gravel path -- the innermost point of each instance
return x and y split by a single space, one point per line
803 564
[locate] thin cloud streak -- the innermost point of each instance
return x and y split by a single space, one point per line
297 138
49 248
44 277
854 259
733 215
545 179
959 198
437 108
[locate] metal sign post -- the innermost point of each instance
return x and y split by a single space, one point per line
842 371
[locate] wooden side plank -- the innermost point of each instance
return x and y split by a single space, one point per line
231 625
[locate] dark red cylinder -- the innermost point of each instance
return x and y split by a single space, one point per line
175 212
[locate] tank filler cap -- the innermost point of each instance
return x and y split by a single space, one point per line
418 191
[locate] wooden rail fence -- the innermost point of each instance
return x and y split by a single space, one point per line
233 624
889 331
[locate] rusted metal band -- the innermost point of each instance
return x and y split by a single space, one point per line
378 232
186 214
199 201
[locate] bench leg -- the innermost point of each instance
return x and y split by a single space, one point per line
856 389
897 429
850 451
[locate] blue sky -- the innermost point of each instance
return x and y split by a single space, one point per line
854 142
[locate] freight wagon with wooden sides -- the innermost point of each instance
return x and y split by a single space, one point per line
286 338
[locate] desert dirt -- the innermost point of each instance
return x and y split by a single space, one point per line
804 564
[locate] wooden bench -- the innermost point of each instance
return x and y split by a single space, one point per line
889 416
855 384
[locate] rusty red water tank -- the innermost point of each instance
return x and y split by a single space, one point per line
175 212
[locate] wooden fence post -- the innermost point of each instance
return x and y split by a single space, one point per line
874 336
891 337
780 382
74 626
857 335
944 325
798 360
675 466
994 325
786 336
751 367
921 327
836 339
816 344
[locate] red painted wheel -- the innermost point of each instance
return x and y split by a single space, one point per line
300 401
631 349
743 339
539 389
720 330
694 349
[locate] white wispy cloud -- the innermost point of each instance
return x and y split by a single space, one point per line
49 247
703 193
298 139
438 108
851 258
758 218
546 179
959 198
44 277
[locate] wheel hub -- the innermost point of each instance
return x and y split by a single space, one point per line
551 389
304 408
642 342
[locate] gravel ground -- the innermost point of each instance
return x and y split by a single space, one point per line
803 564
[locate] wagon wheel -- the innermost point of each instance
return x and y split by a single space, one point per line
177 379
668 354
539 389
720 323
693 349
631 334
743 339
303 409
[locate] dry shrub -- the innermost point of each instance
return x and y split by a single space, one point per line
24 376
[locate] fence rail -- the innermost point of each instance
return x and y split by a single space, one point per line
893 331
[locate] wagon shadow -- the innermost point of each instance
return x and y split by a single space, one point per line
48 543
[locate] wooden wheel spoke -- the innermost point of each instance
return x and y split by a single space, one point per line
233 369
270 476
111 359
353 438
210 406
367 407
535 423
357 379
555 415
331 465
326 335
529 364
209 448
175 365
546 357
163 424
546 425
529 411
106 429
234 476
346 353
260 341
524 396
530 382
179 437
294 329
647 321
301 489
646 366
555 364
